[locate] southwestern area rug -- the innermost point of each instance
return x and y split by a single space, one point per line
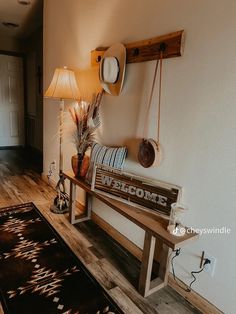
39 273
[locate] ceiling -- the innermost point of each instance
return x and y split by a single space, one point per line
29 17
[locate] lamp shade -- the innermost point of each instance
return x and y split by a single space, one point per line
63 85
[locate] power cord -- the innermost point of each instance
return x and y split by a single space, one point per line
189 289
207 261
177 253
50 171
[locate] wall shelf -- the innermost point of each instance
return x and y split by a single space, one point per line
147 50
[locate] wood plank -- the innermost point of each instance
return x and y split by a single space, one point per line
116 235
165 300
123 301
109 278
147 50
24 189
5 196
14 191
193 297
147 221
98 270
70 235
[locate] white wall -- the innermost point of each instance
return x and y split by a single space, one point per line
198 127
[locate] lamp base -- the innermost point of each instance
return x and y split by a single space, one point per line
54 209
61 201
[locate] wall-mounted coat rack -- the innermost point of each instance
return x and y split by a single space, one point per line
147 50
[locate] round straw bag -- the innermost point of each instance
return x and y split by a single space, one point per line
149 149
148 154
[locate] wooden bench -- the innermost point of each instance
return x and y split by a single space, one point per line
156 234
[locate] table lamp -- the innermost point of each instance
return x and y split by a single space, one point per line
63 86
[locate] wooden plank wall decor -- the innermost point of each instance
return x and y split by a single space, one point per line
147 50
128 188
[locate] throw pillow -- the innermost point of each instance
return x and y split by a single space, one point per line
109 156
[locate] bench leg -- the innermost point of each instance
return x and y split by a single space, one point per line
72 206
164 263
146 285
72 202
88 205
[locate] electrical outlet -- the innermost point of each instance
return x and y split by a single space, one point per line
210 268
54 165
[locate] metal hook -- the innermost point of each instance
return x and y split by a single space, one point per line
98 59
162 47
135 52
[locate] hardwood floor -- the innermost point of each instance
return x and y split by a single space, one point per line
110 264
17 161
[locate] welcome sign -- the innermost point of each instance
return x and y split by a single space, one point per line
157 196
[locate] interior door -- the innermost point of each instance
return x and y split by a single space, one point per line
11 101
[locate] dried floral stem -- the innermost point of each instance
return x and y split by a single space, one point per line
87 120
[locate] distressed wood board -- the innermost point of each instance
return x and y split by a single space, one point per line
148 49
128 188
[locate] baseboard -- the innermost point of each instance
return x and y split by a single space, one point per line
11 147
192 297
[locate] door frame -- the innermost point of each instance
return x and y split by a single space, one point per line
23 57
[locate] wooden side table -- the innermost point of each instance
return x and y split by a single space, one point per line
156 234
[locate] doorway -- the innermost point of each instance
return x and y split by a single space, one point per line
12 126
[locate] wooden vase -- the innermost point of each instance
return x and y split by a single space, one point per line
80 164
76 163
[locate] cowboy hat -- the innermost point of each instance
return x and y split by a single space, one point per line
112 69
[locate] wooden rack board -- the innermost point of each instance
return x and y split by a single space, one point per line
156 235
147 50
